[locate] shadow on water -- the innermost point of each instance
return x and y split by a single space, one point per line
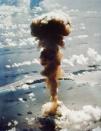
4 77
13 111
91 68
10 75
39 124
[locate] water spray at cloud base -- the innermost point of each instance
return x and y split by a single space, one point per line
50 29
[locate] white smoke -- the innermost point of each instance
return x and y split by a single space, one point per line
28 63
57 14
97 129
75 120
92 57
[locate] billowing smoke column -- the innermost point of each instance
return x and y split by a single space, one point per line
50 29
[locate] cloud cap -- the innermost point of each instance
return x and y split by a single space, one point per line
51 26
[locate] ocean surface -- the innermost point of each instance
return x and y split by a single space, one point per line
19 55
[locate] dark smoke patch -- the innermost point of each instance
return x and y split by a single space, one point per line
50 31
